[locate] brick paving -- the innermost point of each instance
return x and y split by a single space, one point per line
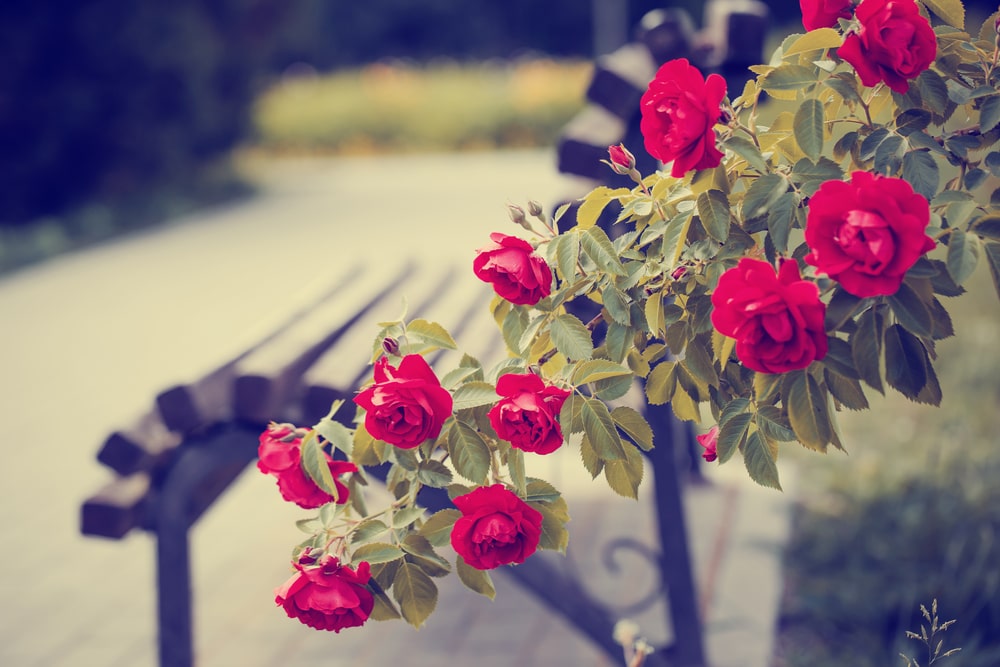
90 338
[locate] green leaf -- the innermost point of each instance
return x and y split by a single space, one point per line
600 429
593 464
842 307
921 171
912 120
314 464
845 85
624 475
437 528
780 219
661 383
788 78
593 205
616 304
570 417
474 394
634 425
748 151
713 209
889 155
759 462
675 235
807 412
933 91
762 194
808 128
571 337
814 40
421 552
597 369
993 259
963 255
415 592
598 247
384 609
469 452
773 424
989 113
431 333
567 253
951 11
866 348
911 311
732 435
376 552
698 362
434 474
905 362
478 581
515 466
847 391
554 534
988 227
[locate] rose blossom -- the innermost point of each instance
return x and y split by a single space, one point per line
516 272
824 13
280 454
406 405
528 415
866 234
679 111
709 441
496 528
776 318
622 161
329 596
894 43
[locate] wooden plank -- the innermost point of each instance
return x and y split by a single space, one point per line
667 33
267 377
189 407
585 140
141 446
620 78
339 373
117 508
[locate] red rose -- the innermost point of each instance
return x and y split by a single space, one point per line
329 596
528 415
406 405
709 441
867 233
776 318
496 528
280 454
622 160
824 13
516 272
894 43
679 111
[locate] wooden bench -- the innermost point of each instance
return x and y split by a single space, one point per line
173 462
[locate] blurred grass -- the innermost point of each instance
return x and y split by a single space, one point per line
402 107
910 514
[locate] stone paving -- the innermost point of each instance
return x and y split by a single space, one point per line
88 339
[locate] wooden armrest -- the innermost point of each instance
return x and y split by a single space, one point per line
117 508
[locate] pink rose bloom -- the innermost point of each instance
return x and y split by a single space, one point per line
280 454
528 414
824 13
709 441
496 528
406 405
894 44
776 318
866 234
329 596
516 272
679 111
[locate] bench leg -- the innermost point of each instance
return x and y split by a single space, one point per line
688 648
173 581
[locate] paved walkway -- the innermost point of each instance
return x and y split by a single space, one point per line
89 339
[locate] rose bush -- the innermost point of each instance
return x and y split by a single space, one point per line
790 258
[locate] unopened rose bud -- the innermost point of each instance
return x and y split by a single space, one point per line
679 272
390 346
622 161
309 556
517 215
534 208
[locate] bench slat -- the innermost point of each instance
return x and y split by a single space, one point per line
142 446
339 372
267 377
117 508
